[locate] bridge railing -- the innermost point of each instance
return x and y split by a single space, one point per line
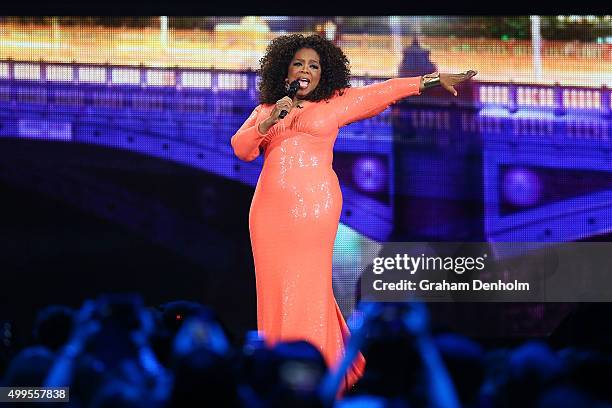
506 95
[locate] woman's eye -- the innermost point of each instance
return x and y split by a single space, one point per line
297 63
314 66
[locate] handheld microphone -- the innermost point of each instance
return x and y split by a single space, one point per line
293 88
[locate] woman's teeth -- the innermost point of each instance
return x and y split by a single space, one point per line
304 83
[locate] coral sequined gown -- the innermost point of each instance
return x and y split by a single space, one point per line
295 212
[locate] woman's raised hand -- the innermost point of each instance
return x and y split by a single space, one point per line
448 81
284 103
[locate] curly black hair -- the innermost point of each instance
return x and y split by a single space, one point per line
335 69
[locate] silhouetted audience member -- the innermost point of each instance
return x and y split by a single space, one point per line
175 313
110 343
403 364
203 364
53 326
530 370
29 367
464 359
203 378
299 369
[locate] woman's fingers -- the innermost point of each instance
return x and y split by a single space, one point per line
451 89
464 76
448 81
471 73
282 104
285 103
286 99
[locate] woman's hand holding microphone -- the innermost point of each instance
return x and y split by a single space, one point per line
283 104
281 109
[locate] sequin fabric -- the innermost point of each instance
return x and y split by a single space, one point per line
295 212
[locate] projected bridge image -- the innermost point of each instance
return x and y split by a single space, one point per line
126 131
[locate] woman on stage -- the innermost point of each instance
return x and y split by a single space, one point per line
297 202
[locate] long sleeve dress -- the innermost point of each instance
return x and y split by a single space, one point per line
295 212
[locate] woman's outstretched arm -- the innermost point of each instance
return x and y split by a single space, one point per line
247 139
364 102
367 101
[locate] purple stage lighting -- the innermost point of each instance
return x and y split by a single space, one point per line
369 174
522 187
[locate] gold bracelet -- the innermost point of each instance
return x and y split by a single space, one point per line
431 80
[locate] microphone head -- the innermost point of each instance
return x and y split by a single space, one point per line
293 88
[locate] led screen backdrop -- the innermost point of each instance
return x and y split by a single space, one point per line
523 153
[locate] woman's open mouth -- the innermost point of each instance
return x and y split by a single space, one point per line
304 83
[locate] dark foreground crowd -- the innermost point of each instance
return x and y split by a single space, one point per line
115 352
